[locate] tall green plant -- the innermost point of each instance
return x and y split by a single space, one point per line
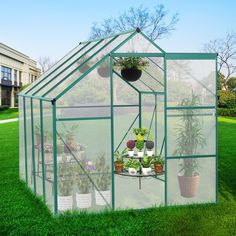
189 136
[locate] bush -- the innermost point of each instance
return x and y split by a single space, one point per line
227 112
227 99
4 107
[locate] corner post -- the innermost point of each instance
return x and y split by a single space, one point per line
25 142
165 127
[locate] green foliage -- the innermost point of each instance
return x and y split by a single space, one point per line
139 145
9 113
158 160
226 99
147 161
131 62
119 156
4 107
131 163
227 112
231 84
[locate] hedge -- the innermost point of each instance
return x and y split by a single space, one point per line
227 99
227 112
4 107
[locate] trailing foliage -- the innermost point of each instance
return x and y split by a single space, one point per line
131 63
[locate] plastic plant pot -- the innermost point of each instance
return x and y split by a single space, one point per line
140 153
146 171
131 74
83 200
100 200
131 153
65 203
132 171
149 153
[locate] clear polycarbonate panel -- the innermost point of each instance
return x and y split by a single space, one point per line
84 165
88 98
191 132
97 55
138 44
48 154
153 119
187 78
191 181
21 139
37 146
29 143
54 67
65 69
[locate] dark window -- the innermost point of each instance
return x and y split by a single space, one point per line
6 73
20 74
32 78
15 75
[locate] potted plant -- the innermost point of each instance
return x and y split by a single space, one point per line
83 66
131 67
140 145
158 164
130 146
146 165
83 195
119 163
103 181
141 133
65 186
189 139
70 137
133 166
104 69
149 147
48 150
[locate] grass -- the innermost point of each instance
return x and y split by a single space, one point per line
9 114
24 214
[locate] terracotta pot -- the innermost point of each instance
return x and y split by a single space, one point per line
104 71
131 74
188 185
118 167
158 168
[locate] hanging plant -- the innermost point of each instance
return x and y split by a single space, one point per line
131 67
104 69
83 66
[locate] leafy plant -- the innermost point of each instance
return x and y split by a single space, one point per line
189 136
158 160
103 179
141 133
146 162
131 63
130 144
149 145
132 164
139 145
119 156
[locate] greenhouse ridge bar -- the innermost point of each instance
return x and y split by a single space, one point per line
119 123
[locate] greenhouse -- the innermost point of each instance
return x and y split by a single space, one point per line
119 123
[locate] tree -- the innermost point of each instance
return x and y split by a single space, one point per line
226 49
45 63
153 23
232 84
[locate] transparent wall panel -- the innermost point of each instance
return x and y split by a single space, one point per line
54 67
84 165
48 154
184 187
21 139
186 78
191 132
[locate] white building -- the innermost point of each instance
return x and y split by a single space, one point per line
16 70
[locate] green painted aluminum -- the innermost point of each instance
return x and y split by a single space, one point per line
54 140
67 67
42 148
191 56
190 107
156 124
79 66
154 78
97 106
155 64
126 81
140 109
150 41
112 137
150 92
93 67
134 54
36 97
165 127
216 107
58 67
83 118
146 85
33 151
25 142
193 156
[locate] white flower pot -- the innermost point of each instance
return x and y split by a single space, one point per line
149 153
132 171
146 171
131 153
100 200
65 203
140 154
83 200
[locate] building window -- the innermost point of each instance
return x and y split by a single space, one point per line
20 76
15 75
6 73
32 78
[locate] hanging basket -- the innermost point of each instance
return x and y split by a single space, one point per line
84 68
131 74
104 71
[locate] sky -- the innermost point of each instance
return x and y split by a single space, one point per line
53 27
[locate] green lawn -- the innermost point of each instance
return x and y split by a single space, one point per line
21 213
9 114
